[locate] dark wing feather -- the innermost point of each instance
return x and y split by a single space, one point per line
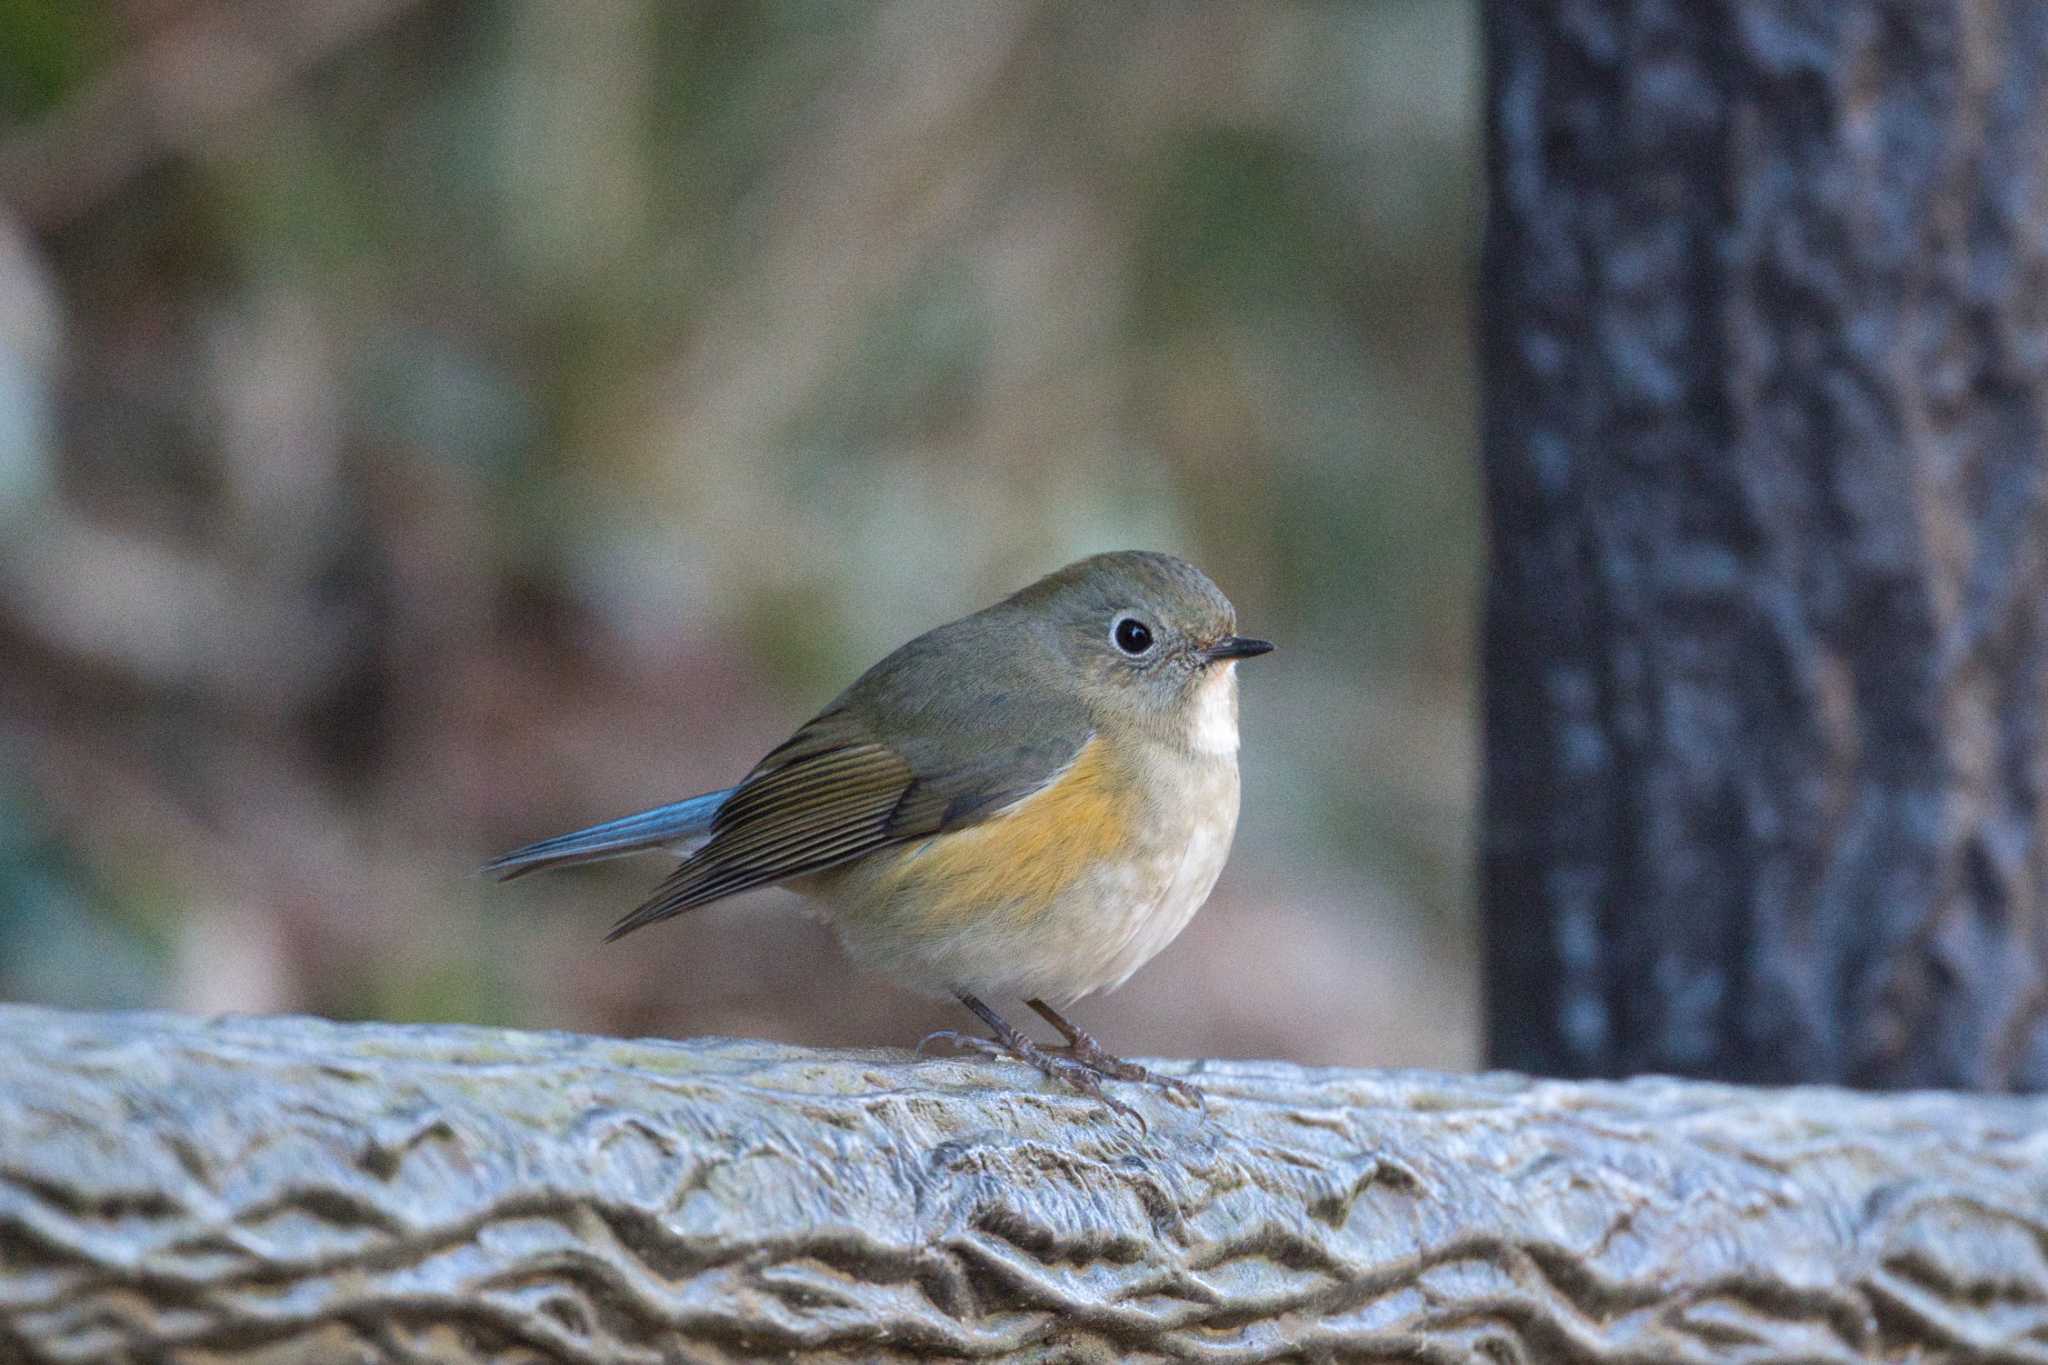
814 810
835 791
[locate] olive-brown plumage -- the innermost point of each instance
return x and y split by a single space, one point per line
1031 800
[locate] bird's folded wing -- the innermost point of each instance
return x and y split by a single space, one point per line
833 793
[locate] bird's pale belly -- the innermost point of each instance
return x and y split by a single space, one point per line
1067 894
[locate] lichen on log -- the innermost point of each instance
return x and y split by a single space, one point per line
292 1189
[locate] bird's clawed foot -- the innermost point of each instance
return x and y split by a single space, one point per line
1054 1064
1082 1063
1082 1047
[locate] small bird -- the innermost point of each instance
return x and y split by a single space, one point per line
1030 801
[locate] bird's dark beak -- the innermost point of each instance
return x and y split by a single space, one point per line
1236 647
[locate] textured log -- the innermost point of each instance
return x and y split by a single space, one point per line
296 1190
1766 387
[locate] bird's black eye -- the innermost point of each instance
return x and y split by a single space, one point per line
1132 636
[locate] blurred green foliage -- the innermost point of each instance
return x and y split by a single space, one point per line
47 48
517 411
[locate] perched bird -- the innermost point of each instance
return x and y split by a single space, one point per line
1030 801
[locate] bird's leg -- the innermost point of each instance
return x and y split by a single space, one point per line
1083 1048
1010 1043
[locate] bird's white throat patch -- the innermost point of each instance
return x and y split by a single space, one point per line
1212 718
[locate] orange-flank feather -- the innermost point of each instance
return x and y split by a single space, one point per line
1023 861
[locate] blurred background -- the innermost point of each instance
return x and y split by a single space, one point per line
427 425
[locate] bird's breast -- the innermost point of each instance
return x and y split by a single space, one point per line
1193 818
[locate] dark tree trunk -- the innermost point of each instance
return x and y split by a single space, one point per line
1765 306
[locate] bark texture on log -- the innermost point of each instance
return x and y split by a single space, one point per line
279 1190
1765 311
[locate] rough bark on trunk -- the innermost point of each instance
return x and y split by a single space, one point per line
277 1190
1765 312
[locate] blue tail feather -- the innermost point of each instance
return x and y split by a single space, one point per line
649 829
